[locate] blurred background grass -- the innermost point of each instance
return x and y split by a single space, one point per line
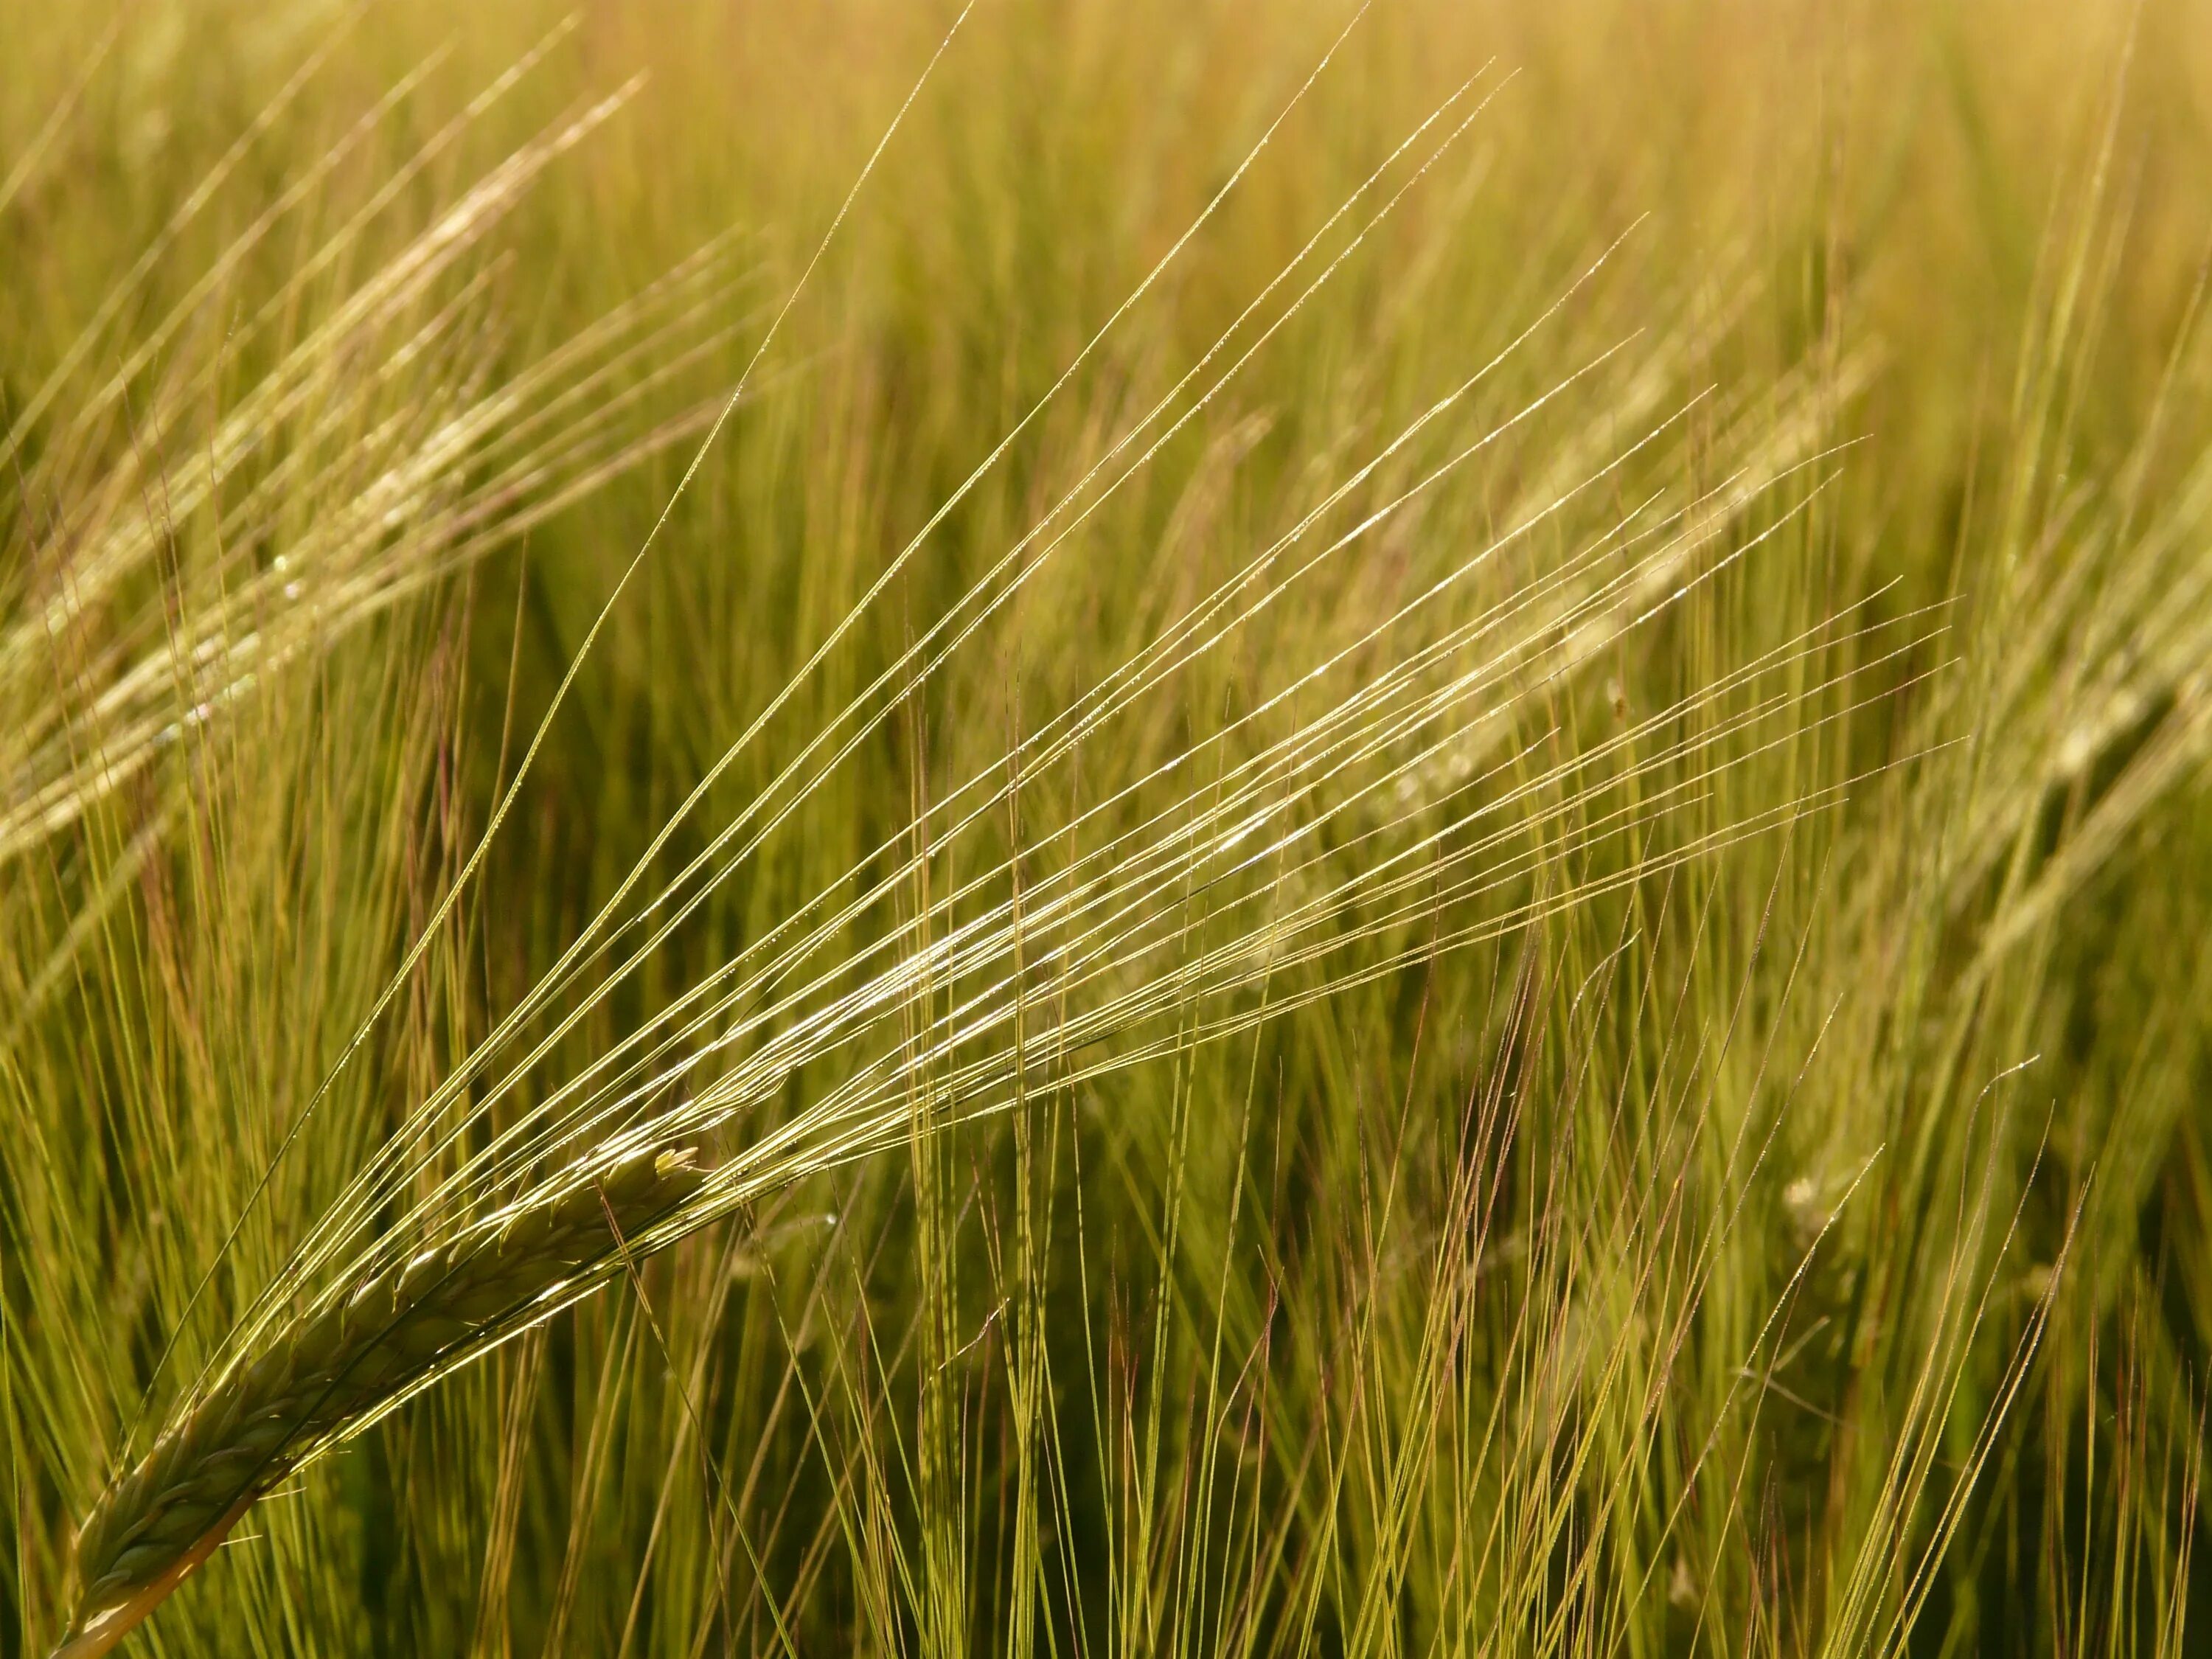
1803 1247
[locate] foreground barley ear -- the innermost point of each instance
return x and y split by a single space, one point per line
354 1353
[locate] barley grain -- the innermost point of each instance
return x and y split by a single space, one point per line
352 1354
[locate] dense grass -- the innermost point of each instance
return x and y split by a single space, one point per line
1531 978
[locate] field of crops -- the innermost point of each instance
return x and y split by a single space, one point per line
1105 828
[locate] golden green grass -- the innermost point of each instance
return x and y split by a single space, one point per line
1404 805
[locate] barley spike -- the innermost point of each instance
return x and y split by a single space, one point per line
330 1368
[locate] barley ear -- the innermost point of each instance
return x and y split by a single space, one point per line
336 1366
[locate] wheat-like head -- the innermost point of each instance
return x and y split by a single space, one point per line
335 1368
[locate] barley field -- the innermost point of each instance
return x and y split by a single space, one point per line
1105 828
